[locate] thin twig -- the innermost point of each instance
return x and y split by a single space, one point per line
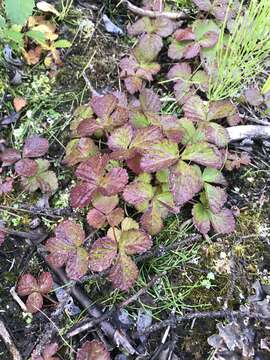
176 320
8 342
18 300
154 14
142 291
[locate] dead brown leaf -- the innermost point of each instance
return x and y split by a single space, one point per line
19 103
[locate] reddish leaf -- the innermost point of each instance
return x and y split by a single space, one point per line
45 282
184 34
120 138
135 242
26 167
9 157
92 169
209 39
78 150
27 284
93 350
115 217
138 194
34 302
124 273
82 194
50 350
88 127
185 182
70 233
216 197
151 221
96 218
201 218
105 204
103 105
214 133
35 146
253 96
114 182
180 71
2 237
148 48
223 222
159 155
77 264
203 154
102 253
6 186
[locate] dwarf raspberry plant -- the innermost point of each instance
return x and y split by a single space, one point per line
131 158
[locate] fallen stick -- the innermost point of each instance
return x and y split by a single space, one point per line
154 14
8 342
241 132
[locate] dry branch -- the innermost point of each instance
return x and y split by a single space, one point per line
8 342
241 132
153 14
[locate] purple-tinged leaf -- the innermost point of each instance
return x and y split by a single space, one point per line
77 264
82 194
92 169
145 137
184 34
180 71
114 182
191 50
34 302
105 204
88 127
26 167
133 84
115 217
203 154
134 164
209 39
102 254
26 285
201 218
155 5
234 120
172 128
163 26
135 242
120 138
9 157
124 273
151 220
50 350
214 176
6 186
143 25
204 5
70 233
148 48
2 237
195 109
94 350
96 218
78 150
253 96
150 102
103 105
220 109
215 196
138 194
223 222
185 182
159 155
45 282
214 133
35 146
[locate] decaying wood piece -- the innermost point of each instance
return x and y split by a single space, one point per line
8 342
154 14
241 132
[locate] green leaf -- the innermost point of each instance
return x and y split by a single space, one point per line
2 22
38 36
266 86
18 11
215 176
13 35
62 44
201 218
203 154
